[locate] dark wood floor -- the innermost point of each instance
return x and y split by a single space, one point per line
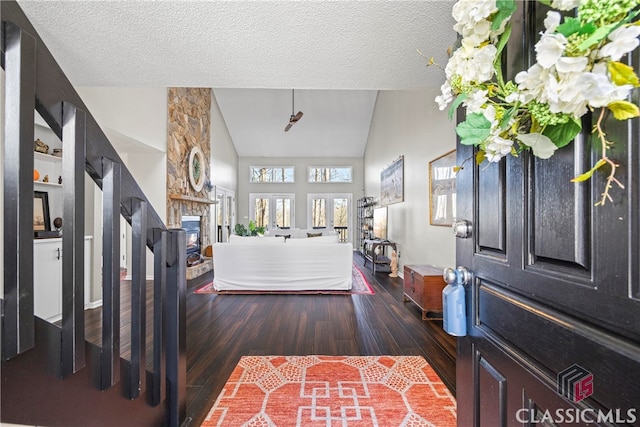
222 328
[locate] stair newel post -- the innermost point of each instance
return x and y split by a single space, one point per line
110 352
176 337
73 140
138 297
19 54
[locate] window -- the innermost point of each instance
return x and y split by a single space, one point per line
330 174
272 174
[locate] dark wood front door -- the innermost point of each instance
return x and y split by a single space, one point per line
555 290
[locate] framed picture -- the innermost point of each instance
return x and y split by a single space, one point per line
41 220
196 168
392 182
442 189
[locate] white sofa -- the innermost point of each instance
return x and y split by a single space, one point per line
273 264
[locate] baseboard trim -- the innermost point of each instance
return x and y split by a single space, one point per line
92 305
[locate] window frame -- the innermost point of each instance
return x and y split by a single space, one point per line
293 177
350 181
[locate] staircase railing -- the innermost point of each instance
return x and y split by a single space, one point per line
35 82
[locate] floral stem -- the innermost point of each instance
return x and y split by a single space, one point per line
606 144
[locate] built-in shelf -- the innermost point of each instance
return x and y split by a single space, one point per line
192 199
47 157
52 184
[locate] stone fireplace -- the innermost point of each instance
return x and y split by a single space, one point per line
189 128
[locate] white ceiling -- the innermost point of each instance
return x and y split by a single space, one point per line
335 54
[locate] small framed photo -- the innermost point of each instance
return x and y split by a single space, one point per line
442 189
41 220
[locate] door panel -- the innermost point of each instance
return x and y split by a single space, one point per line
561 214
491 218
556 279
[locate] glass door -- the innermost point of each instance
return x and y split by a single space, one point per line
272 210
224 214
330 212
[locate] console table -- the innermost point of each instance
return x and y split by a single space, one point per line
379 262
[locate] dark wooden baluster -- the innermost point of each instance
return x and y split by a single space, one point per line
19 60
138 297
157 381
110 361
73 141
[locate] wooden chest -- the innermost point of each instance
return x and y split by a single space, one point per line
423 284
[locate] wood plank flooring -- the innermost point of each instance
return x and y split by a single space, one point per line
222 328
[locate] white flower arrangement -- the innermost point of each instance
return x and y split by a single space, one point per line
577 71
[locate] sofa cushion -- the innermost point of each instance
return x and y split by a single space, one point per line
314 234
314 241
254 240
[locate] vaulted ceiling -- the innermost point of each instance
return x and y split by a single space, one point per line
336 55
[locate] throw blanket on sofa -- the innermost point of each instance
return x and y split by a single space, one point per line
270 263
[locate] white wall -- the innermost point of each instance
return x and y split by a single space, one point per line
408 123
224 158
301 187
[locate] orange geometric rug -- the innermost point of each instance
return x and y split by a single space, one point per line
332 391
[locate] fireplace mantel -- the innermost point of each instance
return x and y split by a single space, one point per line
192 199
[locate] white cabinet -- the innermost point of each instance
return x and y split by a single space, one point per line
47 276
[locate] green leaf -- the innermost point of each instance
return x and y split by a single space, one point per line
459 99
507 117
474 129
622 74
597 36
545 2
505 10
480 157
569 26
588 174
623 110
563 134
497 63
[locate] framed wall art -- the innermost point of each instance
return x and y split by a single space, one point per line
442 189
41 221
392 182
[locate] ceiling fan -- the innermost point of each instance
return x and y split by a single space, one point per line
294 117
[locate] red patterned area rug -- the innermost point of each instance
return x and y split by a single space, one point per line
328 391
359 286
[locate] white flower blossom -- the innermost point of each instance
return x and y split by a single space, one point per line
475 100
572 64
550 48
446 97
498 148
552 21
478 34
472 64
565 4
469 12
623 41
541 145
600 91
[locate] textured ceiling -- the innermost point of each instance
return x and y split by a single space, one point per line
353 46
